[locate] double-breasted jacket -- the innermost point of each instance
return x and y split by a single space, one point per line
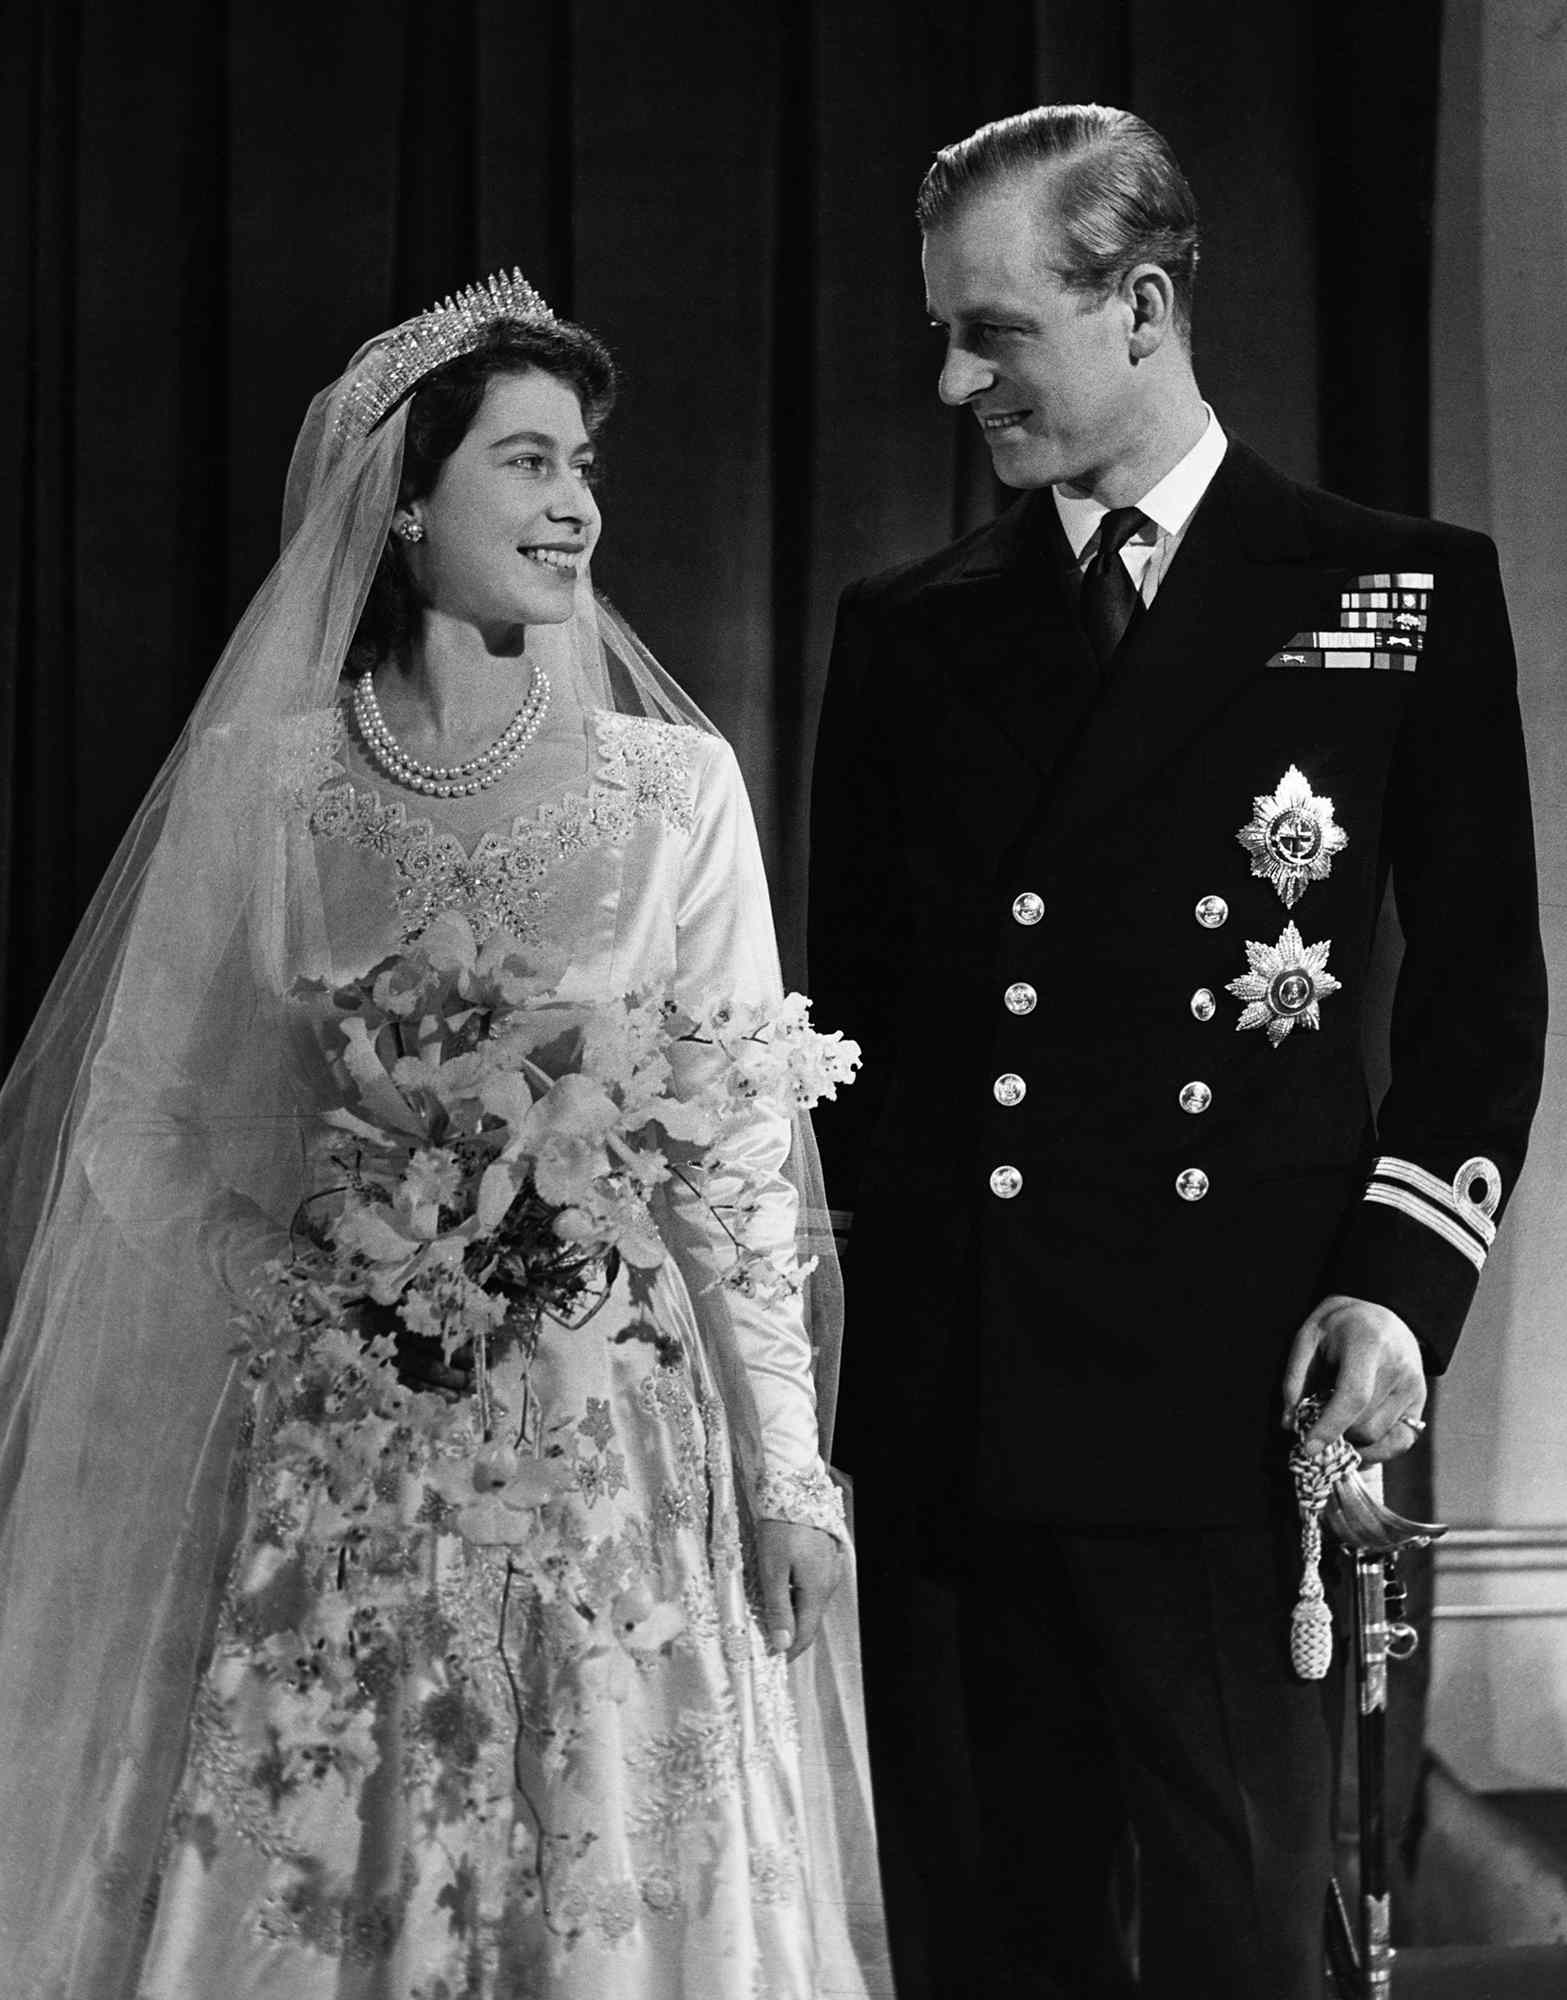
1107 941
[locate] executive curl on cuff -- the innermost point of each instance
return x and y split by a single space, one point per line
1460 1211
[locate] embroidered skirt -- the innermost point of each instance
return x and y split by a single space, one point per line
550 1756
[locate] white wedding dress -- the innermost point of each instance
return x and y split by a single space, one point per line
584 1773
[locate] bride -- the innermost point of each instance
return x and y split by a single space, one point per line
649 1783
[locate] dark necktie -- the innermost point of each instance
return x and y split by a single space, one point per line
1109 600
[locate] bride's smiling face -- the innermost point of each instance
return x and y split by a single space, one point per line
511 520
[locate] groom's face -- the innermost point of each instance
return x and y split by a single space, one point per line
1046 370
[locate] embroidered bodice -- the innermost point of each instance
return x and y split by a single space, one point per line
644 775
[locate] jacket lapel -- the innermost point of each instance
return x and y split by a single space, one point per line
1240 586
1029 729
1001 627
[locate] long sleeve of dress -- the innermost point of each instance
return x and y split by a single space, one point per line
726 949
180 1128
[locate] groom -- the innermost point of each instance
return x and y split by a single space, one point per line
1106 799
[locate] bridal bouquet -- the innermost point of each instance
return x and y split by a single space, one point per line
491 1162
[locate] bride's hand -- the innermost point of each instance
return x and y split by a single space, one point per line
420 1362
799 1568
422 1365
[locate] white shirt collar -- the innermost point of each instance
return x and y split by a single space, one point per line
1169 505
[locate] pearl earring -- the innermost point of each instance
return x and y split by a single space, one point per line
409 530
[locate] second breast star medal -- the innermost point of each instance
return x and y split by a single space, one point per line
1292 837
1285 986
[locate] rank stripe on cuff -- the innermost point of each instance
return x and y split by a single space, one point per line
1448 1208
1433 1218
1445 1194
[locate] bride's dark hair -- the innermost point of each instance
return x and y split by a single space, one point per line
440 415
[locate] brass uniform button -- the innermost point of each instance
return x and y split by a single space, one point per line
1009 1089
1203 1005
1191 1184
1021 998
1211 912
1028 908
1195 1097
1006 1182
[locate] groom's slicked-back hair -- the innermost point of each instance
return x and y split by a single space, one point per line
1119 196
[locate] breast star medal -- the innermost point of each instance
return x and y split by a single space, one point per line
1292 837
1285 986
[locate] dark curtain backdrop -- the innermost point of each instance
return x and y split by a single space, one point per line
208 206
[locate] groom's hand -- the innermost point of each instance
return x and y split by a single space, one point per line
799 1569
1368 1363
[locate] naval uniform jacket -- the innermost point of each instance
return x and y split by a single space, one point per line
1095 1190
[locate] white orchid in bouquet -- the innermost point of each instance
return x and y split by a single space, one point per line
491 1163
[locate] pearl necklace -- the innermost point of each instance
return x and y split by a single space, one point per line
449 781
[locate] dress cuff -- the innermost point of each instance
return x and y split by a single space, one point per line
803 1495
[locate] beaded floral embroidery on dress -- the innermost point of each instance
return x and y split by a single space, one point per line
808 1497
645 775
591 1736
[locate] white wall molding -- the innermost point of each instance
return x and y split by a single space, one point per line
1496 1551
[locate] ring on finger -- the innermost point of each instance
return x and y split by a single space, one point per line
1416 1424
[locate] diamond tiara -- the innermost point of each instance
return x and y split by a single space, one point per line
419 345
